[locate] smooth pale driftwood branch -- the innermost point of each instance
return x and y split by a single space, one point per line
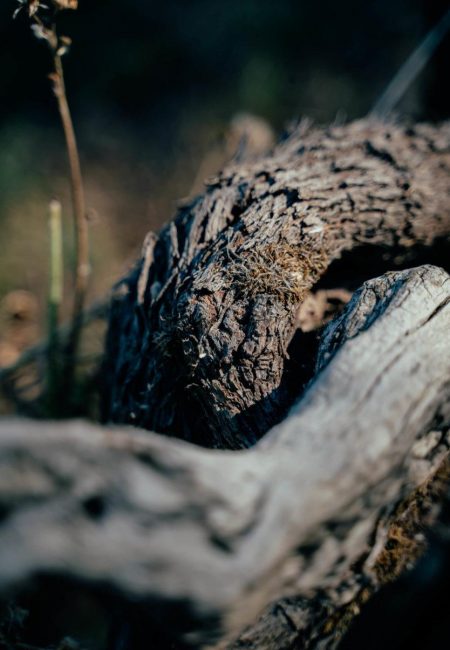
218 535
200 330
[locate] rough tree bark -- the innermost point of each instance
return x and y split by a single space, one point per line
204 345
201 329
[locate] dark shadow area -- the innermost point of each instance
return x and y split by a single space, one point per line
366 262
61 613
412 612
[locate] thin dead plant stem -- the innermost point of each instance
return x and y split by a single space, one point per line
43 23
82 268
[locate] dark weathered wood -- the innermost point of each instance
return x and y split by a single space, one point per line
202 329
216 536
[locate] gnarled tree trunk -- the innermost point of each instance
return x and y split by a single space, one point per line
200 335
211 340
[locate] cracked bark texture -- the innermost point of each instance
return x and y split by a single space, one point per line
195 544
202 337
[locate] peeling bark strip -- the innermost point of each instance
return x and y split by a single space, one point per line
200 330
213 537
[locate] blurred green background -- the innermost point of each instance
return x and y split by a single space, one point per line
154 89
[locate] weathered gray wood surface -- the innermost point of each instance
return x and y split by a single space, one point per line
201 328
223 534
